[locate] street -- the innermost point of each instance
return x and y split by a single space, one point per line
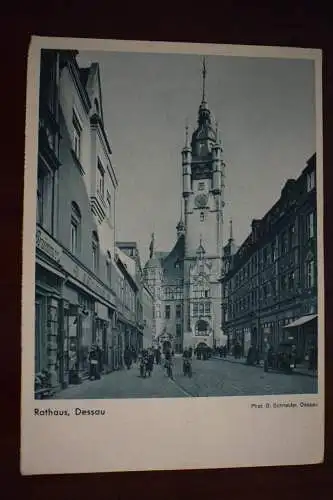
214 377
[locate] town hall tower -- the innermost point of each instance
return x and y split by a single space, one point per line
203 195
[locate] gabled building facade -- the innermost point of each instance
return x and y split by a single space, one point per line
75 222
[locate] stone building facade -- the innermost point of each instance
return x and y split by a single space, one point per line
270 281
186 282
77 292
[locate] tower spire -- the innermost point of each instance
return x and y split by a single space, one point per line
230 231
204 73
152 245
187 143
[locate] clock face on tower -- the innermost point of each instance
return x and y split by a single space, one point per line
201 200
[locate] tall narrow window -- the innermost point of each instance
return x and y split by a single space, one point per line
167 312
75 229
207 308
95 251
310 181
310 225
44 208
100 179
283 240
309 277
291 281
201 186
178 311
202 216
108 268
108 201
40 197
292 236
77 133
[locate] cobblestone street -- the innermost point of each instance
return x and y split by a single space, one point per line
213 377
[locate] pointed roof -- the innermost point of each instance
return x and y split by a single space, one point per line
200 250
206 130
91 79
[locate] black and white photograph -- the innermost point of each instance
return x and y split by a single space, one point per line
176 247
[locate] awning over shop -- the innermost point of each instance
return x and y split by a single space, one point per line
302 321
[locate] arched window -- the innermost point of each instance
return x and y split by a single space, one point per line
108 268
95 251
75 236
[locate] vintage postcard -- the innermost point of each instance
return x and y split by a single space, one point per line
172 297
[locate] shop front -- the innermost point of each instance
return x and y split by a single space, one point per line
48 285
303 332
77 333
102 326
47 300
86 319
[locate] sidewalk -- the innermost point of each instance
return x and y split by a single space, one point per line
300 369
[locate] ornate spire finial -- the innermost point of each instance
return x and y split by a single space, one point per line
204 72
230 231
201 250
186 134
151 246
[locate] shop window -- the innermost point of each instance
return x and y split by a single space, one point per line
75 229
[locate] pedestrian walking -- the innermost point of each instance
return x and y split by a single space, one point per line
158 355
150 363
93 363
128 358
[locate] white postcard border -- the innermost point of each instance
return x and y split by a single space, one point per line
158 434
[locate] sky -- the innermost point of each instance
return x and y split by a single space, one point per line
265 108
